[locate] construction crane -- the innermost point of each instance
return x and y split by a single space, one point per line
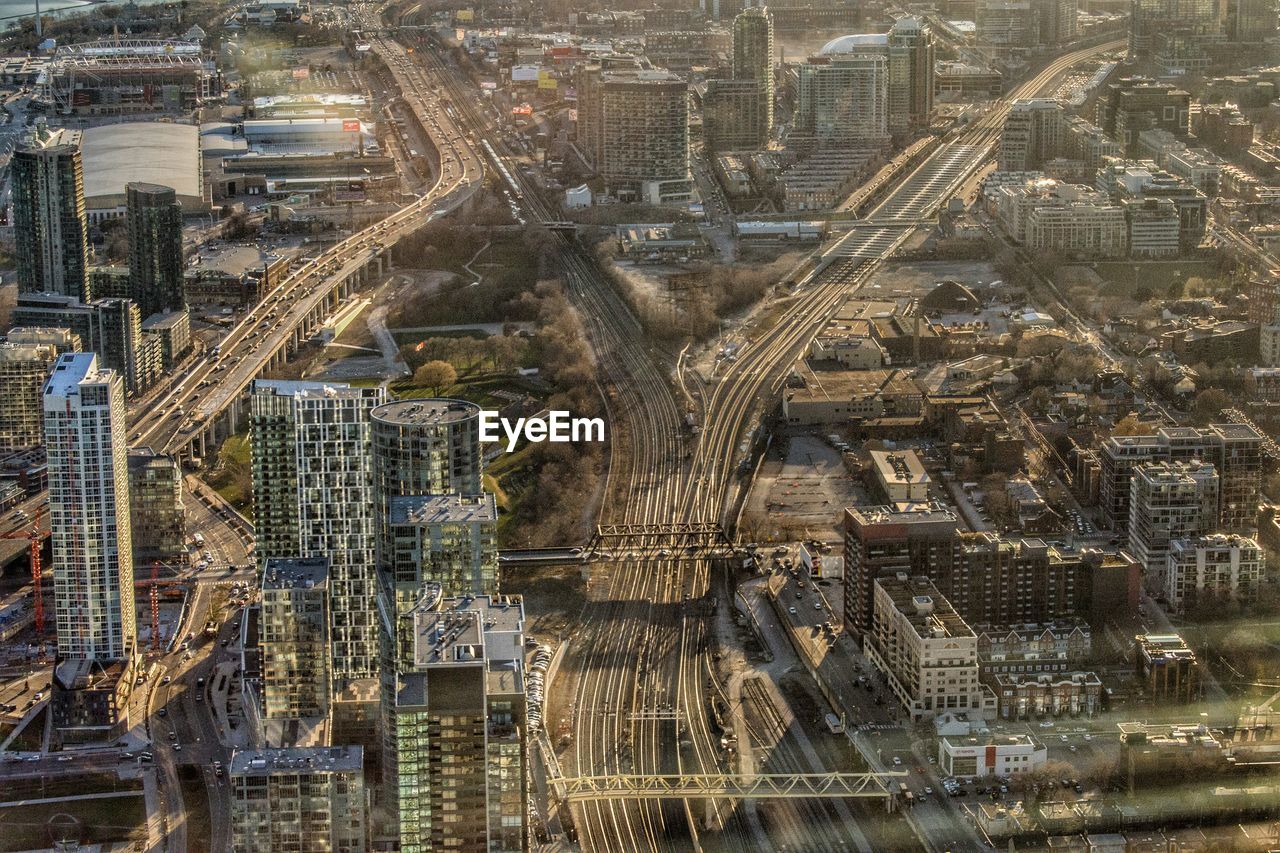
35 543
153 586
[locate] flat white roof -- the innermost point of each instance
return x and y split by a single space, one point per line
152 152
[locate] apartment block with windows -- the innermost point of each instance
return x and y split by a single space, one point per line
23 371
294 637
1168 501
298 800
927 653
51 231
1235 450
156 513
449 540
454 728
1212 568
86 434
314 497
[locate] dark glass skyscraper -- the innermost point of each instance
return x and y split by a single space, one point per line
155 248
50 227
753 60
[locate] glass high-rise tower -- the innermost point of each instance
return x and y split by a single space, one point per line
313 497
155 248
50 225
753 60
86 439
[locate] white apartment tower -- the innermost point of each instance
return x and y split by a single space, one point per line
1168 501
1034 133
313 497
85 435
842 93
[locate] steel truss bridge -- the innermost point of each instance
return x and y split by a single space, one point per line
730 786
692 538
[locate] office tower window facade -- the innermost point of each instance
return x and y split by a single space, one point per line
50 224
450 540
911 61
157 517
454 728
842 94
23 371
753 60
156 265
298 800
86 440
313 497
296 653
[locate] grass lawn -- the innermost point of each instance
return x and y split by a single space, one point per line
231 476
478 387
511 478
118 819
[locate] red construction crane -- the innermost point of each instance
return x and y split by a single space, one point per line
153 587
35 542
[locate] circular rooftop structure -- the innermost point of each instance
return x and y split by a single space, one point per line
852 43
426 411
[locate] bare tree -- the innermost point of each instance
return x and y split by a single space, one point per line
436 376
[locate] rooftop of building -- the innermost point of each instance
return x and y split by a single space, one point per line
425 411
924 608
1167 472
303 388
443 509
84 674
44 138
165 320
841 385
161 153
1164 646
456 630
295 572
1169 734
1033 630
20 351
73 368
992 740
890 515
320 759
59 336
1213 541
142 457
1047 679
899 466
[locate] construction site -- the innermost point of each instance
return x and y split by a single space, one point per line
124 76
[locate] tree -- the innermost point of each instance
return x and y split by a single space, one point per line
436 376
1210 402
1131 425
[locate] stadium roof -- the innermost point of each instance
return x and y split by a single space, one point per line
153 152
851 44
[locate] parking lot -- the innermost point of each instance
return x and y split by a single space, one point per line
801 491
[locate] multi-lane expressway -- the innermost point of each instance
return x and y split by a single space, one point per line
206 402
637 669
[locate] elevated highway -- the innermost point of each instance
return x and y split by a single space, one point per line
207 402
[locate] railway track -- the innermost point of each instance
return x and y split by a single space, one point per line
637 666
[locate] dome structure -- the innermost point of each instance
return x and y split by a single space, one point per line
851 44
